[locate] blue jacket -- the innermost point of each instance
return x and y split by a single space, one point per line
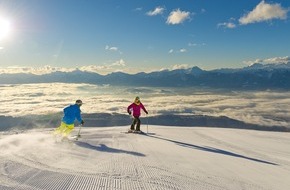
71 113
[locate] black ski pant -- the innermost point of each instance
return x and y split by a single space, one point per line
136 121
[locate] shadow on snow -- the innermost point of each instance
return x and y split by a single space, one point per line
105 148
213 150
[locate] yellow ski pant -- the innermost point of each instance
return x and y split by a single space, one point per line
64 129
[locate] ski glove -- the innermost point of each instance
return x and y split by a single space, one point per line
82 122
146 112
129 112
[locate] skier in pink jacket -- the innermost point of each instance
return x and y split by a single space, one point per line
136 108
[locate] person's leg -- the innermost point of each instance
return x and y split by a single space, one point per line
60 129
68 130
133 124
138 124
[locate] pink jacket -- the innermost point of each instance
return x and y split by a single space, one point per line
136 109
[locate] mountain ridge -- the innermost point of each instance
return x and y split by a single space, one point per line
256 76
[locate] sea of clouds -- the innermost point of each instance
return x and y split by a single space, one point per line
267 108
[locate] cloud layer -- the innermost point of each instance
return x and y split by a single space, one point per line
177 16
263 108
272 60
157 11
264 12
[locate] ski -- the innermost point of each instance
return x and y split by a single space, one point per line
135 132
75 137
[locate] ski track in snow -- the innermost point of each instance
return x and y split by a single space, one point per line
177 158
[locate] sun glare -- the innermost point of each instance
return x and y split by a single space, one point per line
5 28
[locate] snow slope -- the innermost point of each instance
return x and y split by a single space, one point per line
167 158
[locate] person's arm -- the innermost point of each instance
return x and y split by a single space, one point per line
143 108
66 109
128 109
79 117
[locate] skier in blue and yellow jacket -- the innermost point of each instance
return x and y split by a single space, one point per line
71 113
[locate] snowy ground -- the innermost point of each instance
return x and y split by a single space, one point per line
167 158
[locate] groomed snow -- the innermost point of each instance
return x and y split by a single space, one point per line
167 158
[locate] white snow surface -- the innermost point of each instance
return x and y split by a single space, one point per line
166 158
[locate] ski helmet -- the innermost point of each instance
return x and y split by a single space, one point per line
79 102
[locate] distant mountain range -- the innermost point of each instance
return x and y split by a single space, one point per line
256 76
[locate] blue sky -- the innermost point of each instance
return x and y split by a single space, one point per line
141 36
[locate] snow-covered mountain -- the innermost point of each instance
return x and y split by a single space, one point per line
256 76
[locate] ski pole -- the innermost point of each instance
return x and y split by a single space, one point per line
131 118
79 133
147 122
